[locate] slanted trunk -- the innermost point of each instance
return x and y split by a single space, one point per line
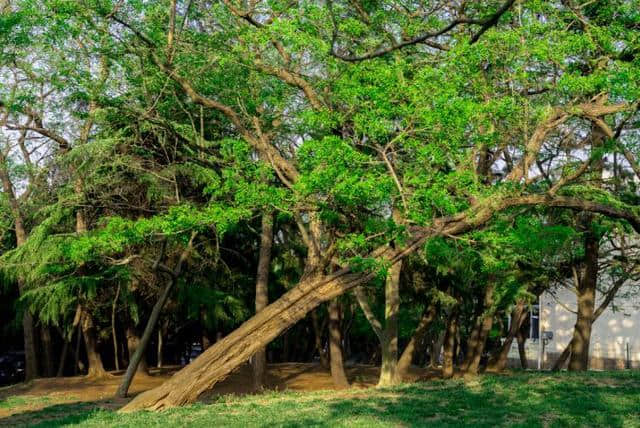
499 361
47 351
579 360
234 349
141 347
449 344
389 343
262 294
418 336
95 369
318 330
335 346
562 359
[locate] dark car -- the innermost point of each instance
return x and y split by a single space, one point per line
12 368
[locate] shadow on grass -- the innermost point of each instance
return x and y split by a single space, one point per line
521 400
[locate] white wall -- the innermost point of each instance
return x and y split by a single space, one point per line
618 325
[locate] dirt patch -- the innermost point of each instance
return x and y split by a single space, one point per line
42 393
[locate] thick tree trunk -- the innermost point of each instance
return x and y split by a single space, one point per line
48 365
579 360
389 344
499 361
318 330
335 346
236 348
449 344
262 294
133 342
95 369
418 335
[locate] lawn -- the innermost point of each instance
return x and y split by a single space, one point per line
610 399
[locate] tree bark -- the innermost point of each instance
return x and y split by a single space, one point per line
418 335
435 349
262 294
499 362
95 369
47 351
521 350
449 344
235 348
113 329
335 346
28 327
389 344
138 355
318 330
579 359
133 342
160 346
486 323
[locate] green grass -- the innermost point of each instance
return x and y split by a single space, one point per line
521 400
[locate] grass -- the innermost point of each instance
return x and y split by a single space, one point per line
608 399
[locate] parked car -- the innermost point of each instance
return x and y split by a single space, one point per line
12 367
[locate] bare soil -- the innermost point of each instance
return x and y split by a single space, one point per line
99 392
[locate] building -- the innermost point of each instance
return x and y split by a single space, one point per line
615 335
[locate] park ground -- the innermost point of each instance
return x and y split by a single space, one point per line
301 396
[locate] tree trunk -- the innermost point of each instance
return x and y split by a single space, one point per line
389 344
63 358
579 360
449 344
418 335
95 369
113 328
318 332
47 351
562 359
76 354
521 350
476 351
435 349
160 345
335 346
141 347
31 360
213 365
499 361
262 294
133 342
